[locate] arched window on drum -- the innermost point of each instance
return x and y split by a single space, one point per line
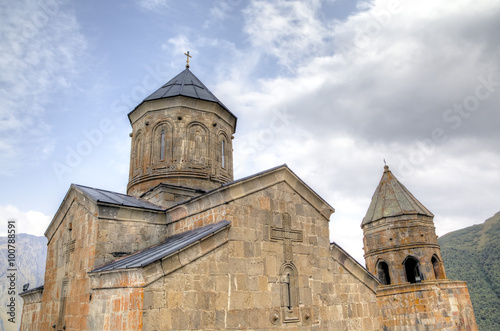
162 144
223 151
137 152
197 151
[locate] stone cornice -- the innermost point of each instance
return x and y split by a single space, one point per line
182 102
404 220
426 285
32 296
401 247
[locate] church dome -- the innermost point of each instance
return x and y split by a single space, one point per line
181 137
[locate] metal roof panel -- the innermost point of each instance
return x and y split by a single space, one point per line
185 84
115 198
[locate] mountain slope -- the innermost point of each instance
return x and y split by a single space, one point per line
31 255
473 255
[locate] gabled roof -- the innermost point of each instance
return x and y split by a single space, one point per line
185 84
244 187
170 246
114 198
391 198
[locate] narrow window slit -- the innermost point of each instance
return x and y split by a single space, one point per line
223 159
162 146
288 294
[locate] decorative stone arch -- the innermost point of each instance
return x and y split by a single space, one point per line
437 266
198 142
412 269
161 144
223 151
138 150
289 280
383 273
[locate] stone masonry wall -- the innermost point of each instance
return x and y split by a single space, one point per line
241 284
352 294
193 298
272 267
70 255
123 231
440 305
118 309
32 307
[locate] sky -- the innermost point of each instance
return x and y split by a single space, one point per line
332 88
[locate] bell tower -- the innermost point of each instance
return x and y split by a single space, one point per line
400 241
402 250
181 142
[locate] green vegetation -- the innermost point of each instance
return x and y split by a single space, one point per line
473 255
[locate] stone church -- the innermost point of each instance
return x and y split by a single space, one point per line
190 248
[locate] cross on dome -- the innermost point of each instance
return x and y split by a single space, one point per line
187 60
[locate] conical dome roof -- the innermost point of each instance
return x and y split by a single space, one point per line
185 84
391 198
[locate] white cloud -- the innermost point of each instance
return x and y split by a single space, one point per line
385 80
287 30
383 83
41 45
398 82
179 45
30 222
220 10
153 4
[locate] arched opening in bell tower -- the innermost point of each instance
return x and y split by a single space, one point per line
412 270
383 273
437 266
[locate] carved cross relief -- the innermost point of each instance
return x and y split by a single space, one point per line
287 235
62 305
68 248
288 272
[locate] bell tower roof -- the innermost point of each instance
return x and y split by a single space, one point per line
391 198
